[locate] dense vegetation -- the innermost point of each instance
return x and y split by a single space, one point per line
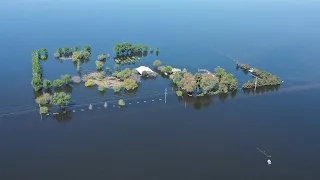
60 99
243 66
219 82
128 48
264 79
36 71
67 52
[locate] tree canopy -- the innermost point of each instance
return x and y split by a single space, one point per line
66 79
47 84
157 63
124 74
60 99
208 82
57 83
188 82
130 84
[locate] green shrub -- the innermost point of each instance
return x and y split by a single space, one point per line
101 88
179 93
121 103
57 83
130 84
117 89
157 63
66 79
89 83
44 110
47 84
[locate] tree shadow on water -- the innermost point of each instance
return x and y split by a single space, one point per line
64 116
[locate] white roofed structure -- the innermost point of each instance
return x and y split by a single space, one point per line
144 68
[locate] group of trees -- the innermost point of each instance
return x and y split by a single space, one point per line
43 53
36 71
59 99
125 76
219 82
128 48
75 53
65 80
245 67
264 79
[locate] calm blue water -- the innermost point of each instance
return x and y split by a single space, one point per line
190 138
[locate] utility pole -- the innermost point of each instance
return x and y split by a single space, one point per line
165 95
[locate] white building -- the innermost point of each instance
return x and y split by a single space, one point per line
144 68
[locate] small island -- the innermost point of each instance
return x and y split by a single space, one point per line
184 83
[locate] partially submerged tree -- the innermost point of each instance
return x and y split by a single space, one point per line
167 69
47 84
117 89
121 103
124 74
43 110
102 57
208 82
101 88
188 83
60 99
89 83
99 65
87 49
157 63
179 93
44 99
130 84
57 83
66 79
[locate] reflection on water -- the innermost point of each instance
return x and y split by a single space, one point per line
64 116
262 90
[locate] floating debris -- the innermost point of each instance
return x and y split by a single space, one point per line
269 162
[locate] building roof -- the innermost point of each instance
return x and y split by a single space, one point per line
143 68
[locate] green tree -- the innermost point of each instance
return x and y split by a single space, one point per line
124 74
36 83
47 84
198 78
157 63
87 48
220 72
101 88
179 93
60 99
207 83
76 48
167 69
177 78
66 79
130 84
99 65
117 89
43 110
57 83
188 83
144 74
121 103
89 83
102 57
